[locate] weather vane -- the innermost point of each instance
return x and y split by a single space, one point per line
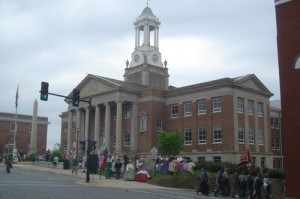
147 2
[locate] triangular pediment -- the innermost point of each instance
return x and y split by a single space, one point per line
253 83
93 85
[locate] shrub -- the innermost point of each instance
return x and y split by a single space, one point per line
31 157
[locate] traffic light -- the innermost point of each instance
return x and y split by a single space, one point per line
76 97
44 91
82 145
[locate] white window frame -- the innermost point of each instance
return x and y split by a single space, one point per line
201 135
65 126
251 135
201 107
261 136
217 130
187 107
127 135
241 135
260 109
12 127
217 105
188 136
127 112
174 111
143 123
240 105
159 125
250 107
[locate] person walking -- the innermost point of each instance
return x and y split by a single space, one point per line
204 182
257 184
108 168
74 164
226 183
219 182
126 159
235 183
243 184
118 166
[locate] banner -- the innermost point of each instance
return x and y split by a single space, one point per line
245 158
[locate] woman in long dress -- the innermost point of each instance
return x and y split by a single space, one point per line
108 169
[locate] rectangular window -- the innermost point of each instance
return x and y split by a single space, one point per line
187 109
127 112
272 122
217 133
251 135
30 128
260 109
250 107
273 143
114 140
277 144
201 159
143 123
217 104
261 137
276 123
240 105
174 111
159 125
253 161
187 136
241 135
201 107
65 126
127 138
202 135
217 159
262 162
12 127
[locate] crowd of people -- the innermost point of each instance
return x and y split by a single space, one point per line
240 184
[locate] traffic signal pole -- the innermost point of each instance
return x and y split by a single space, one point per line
89 143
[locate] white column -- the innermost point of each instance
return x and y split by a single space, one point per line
136 37
119 127
107 127
86 129
246 124
266 114
155 37
139 37
69 136
133 129
78 119
97 125
256 127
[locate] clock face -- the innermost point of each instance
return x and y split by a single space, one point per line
136 57
155 57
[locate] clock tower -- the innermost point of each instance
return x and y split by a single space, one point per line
146 66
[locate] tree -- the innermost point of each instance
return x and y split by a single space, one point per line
170 144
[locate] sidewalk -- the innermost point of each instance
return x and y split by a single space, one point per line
94 178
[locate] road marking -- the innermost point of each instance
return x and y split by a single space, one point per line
161 194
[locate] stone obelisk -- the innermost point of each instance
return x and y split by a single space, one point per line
34 128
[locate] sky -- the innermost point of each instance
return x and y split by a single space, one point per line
61 41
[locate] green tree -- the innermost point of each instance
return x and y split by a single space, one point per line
170 144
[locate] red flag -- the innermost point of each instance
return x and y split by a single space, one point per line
245 158
17 96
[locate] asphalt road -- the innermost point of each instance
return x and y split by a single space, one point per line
35 184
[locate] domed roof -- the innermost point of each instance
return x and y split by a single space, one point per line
147 12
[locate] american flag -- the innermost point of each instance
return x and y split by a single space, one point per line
17 96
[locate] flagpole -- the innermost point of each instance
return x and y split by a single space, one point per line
15 132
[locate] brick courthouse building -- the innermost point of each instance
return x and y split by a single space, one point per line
219 119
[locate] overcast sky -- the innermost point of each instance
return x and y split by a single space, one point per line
60 41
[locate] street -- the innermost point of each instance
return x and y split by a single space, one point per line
24 183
